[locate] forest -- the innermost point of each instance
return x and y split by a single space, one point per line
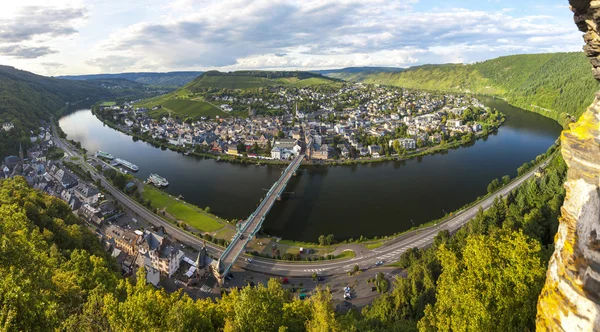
485 277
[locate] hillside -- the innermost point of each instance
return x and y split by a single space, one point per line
356 73
180 103
27 99
170 79
549 84
256 79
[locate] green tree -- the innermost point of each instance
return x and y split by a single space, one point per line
492 285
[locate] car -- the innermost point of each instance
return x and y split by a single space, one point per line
293 289
373 289
303 290
251 283
249 260
242 237
230 275
285 281
320 278
379 263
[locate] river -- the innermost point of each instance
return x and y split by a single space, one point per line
347 201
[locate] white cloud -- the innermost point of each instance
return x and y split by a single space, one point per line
286 34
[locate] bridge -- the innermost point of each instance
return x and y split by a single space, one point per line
254 222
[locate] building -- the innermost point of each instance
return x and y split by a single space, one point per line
161 254
374 149
285 149
454 123
405 143
322 153
90 214
7 126
124 239
86 194
276 153
232 150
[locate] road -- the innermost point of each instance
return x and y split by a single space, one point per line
388 253
255 221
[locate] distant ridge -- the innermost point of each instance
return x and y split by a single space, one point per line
359 70
172 79
250 79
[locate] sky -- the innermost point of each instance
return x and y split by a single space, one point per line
60 37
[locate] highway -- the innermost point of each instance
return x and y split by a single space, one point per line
389 252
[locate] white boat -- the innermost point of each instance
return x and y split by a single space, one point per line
127 164
105 155
158 180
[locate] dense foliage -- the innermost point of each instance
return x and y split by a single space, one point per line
486 276
555 84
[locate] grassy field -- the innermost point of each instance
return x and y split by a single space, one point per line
231 82
108 103
313 81
176 103
192 215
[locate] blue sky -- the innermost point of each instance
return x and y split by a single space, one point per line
101 36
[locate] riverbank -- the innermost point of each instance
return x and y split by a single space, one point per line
440 148
324 200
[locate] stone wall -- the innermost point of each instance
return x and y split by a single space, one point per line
570 300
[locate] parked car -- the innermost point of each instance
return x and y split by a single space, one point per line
285 281
249 260
379 263
320 278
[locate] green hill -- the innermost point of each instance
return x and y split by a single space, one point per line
256 79
180 103
171 79
556 84
27 99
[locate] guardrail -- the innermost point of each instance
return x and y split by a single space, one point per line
291 167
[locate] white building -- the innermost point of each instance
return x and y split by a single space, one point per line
161 255
406 143
454 123
7 126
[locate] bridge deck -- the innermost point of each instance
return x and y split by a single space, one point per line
254 222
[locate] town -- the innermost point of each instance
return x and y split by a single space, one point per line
354 122
51 166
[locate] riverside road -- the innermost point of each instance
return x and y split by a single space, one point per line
389 252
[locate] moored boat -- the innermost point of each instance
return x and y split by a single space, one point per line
158 180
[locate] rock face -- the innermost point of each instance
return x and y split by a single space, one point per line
570 300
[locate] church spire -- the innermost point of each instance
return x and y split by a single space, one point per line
21 153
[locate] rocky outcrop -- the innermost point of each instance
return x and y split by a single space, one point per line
570 300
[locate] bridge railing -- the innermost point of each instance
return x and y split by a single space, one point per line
293 165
